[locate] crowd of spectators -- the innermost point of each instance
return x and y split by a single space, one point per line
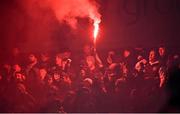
134 80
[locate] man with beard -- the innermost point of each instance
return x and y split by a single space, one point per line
32 66
32 72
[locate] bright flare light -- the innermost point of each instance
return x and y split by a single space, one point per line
96 30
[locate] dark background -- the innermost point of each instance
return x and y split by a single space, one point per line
125 23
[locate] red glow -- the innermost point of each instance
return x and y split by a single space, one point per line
96 30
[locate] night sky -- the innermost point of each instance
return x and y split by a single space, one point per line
125 23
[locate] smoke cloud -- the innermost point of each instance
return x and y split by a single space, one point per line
69 11
28 23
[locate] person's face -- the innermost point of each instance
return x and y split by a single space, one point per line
139 68
90 61
152 55
67 54
19 77
42 73
161 51
56 77
17 68
139 57
126 53
58 60
32 58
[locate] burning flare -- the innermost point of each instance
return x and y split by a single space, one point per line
96 30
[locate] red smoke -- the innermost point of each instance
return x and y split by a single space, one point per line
69 11
40 19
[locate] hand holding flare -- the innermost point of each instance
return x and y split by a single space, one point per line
96 31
